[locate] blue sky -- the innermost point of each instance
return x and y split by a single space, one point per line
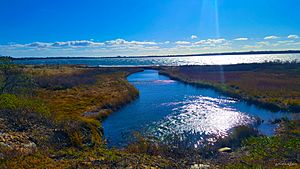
144 27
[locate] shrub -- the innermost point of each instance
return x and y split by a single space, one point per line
12 102
8 101
239 134
273 148
19 84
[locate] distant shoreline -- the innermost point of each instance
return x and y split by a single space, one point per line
163 56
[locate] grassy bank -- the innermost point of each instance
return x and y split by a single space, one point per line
82 97
273 85
279 151
51 117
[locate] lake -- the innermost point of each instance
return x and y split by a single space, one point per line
168 108
167 61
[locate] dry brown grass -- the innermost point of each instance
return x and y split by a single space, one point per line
79 97
268 83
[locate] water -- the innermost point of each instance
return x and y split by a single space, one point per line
168 61
168 108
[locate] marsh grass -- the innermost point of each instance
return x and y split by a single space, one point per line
66 105
273 85
79 97
66 95
279 151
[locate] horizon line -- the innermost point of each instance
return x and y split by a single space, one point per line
173 55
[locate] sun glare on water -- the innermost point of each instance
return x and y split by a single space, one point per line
208 118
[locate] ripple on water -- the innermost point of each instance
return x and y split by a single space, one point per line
182 114
208 118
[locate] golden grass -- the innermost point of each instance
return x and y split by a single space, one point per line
278 84
110 90
81 106
52 70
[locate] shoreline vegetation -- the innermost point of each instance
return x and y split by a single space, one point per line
271 85
50 117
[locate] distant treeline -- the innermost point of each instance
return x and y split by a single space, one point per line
151 56
5 59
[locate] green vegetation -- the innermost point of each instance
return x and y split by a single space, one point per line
281 151
13 103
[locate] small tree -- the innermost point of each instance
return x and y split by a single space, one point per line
13 80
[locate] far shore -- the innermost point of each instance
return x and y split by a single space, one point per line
162 56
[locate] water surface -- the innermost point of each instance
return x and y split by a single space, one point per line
168 61
168 108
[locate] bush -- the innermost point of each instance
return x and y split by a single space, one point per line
239 134
19 84
273 148
8 101
12 102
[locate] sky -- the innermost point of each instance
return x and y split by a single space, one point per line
45 28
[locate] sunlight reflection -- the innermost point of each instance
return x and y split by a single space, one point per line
209 118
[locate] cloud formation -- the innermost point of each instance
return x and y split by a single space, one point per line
241 39
194 37
78 43
183 43
263 43
293 37
125 47
124 42
210 42
271 37
37 44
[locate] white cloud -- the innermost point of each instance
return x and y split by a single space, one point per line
116 42
38 44
201 42
31 45
271 37
285 41
141 43
124 42
124 47
241 39
263 43
293 37
77 43
194 37
182 43
210 42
